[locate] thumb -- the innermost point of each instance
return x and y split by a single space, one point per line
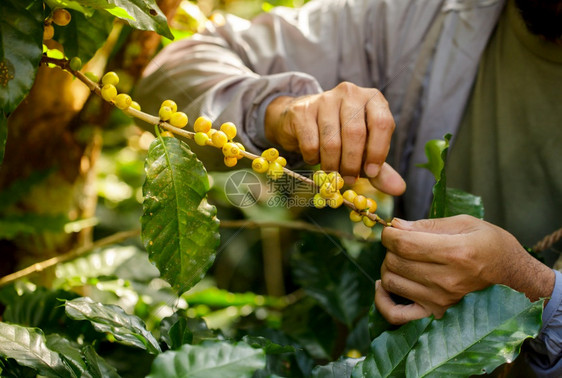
451 225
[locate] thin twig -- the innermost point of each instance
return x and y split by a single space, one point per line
74 253
94 87
295 225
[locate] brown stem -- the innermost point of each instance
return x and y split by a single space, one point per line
63 63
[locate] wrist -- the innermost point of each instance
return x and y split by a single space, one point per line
273 115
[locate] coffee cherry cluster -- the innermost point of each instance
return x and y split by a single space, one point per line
109 92
364 206
270 162
329 186
222 138
60 17
169 113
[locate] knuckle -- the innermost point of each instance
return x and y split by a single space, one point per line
331 144
346 87
355 132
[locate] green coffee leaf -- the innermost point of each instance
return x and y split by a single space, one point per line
483 331
69 351
28 347
30 223
127 329
337 284
21 37
142 14
179 227
209 359
388 352
84 35
460 202
97 366
336 369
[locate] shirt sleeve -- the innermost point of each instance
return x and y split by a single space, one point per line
229 73
546 348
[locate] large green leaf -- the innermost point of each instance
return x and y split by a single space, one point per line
83 36
179 227
28 347
142 14
336 284
21 36
460 202
127 329
209 359
485 330
388 352
42 309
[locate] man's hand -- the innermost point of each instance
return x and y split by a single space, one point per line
436 262
346 129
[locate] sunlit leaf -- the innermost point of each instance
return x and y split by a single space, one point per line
30 223
485 330
21 37
127 329
28 347
142 14
179 227
460 202
209 359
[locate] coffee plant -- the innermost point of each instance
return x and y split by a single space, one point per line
114 310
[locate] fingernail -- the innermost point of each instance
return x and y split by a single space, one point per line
349 180
372 170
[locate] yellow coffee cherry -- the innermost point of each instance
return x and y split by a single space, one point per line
211 132
123 101
354 353
110 78
48 32
368 221
354 216
349 195
201 138
230 150
241 148
319 201
171 104
281 160
327 190
61 17
219 139
135 105
335 201
360 202
260 165
165 113
229 129
230 161
336 179
109 92
178 119
271 154
371 205
202 124
275 171
166 134
319 178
